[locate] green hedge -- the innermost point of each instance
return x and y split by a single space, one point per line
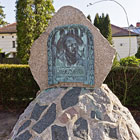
125 83
18 88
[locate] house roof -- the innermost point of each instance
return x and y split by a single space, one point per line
136 30
116 31
133 29
119 32
10 28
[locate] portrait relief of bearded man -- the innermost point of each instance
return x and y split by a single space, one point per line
71 52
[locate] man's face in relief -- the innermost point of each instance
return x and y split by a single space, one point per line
71 44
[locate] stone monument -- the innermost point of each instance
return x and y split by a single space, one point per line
70 61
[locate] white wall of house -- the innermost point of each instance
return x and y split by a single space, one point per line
8 44
121 45
138 40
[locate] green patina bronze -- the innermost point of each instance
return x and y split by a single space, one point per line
71 55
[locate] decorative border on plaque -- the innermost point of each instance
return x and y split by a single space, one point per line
70 55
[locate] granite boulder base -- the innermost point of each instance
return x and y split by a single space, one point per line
76 114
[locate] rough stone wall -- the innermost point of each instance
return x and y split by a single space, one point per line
76 114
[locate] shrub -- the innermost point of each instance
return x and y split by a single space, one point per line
125 83
115 61
138 53
17 86
130 61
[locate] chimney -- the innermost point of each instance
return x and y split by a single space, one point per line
138 24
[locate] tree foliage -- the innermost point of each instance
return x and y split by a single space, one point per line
108 32
43 13
25 27
2 17
96 21
130 61
103 24
89 17
32 18
138 53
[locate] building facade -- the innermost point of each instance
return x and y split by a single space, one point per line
8 38
135 29
124 41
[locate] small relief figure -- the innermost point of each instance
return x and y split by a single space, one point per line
70 50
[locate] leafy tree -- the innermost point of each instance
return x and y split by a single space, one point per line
138 53
89 17
25 27
99 22
96 21
107 29
43 13
32 18
103 24
2 17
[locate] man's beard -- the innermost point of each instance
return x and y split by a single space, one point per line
71 57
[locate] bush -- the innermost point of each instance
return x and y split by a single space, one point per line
115 61
17 86
138 53
130 61
125 83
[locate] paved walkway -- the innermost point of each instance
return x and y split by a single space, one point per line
7 122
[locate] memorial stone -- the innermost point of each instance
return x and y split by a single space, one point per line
70 53
70 61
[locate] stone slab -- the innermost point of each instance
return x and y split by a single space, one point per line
59 133
25 125
71 98
46 120
37 111
103 52
25 136
81 129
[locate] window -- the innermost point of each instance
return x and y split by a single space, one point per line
14 44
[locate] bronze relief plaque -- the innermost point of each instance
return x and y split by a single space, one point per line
70 55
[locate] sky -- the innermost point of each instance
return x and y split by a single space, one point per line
115 11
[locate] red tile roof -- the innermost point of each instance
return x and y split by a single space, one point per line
118 31
10 28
